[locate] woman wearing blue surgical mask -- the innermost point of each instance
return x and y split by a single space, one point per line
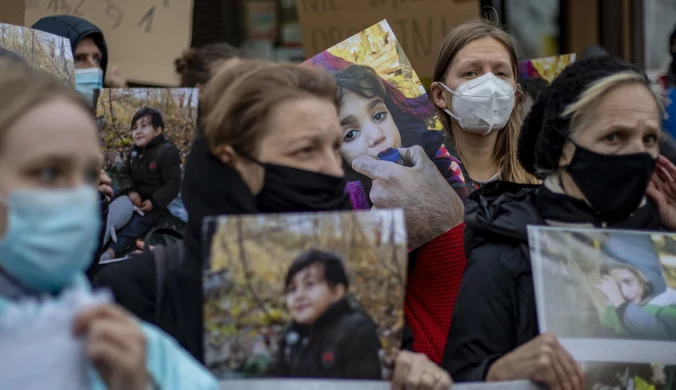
49 226
479 102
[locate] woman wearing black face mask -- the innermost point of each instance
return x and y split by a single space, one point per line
270 143
593 137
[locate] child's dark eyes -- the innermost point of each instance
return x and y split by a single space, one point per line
380 116
350 135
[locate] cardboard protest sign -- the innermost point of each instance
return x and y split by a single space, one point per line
312 295
383 106
610 296
41 51
420 25
12 12
146 135
143 36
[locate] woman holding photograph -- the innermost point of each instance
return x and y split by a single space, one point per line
271 144
479 102
49 226
592 135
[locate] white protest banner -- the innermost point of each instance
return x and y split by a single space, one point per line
143 36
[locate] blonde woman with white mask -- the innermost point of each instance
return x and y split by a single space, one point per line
480 103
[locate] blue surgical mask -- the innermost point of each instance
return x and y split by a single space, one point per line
51 236
88 80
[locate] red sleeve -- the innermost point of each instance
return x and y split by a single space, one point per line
431 291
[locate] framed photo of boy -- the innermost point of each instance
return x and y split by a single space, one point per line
146 134
312 295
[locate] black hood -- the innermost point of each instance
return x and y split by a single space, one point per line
499 212
75 29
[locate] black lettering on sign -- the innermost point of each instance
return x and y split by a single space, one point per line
319 5
419 37
114 13
148 19
60 7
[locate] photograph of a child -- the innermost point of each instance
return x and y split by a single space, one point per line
383 106
294 296
605 293
146 135
39 50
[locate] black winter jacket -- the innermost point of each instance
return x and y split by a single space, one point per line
154 172
341 344
495 310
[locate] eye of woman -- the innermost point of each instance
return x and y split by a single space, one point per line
303 152
92 176
379 116
350 135
470 73
48 175
502 73
612 138
651 139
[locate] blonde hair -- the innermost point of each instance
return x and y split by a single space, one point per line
505 152
23 89
582 110
237 101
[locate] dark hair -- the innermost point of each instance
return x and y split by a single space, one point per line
533 86
361 80
155 117
194 66
334 270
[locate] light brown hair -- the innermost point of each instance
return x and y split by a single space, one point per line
237 101
23 89
507 140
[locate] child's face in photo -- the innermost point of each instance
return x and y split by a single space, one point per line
630 286
143 132
368 127
308 296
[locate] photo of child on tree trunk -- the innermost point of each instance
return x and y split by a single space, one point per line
146 135
314 295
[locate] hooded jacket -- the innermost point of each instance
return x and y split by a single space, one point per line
495 310
75 30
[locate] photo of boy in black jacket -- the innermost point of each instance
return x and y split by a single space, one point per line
150 177
330 336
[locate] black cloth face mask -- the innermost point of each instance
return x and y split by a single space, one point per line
613 184
287 189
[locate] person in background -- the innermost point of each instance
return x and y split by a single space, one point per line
671 72
593 136
88 44
475 90
196 65
49 164
325 318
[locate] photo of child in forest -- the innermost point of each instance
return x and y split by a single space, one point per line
295 296
146 134
325 322
597 290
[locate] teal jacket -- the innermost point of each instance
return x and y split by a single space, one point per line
170 367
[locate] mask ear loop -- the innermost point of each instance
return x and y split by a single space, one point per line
446 110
